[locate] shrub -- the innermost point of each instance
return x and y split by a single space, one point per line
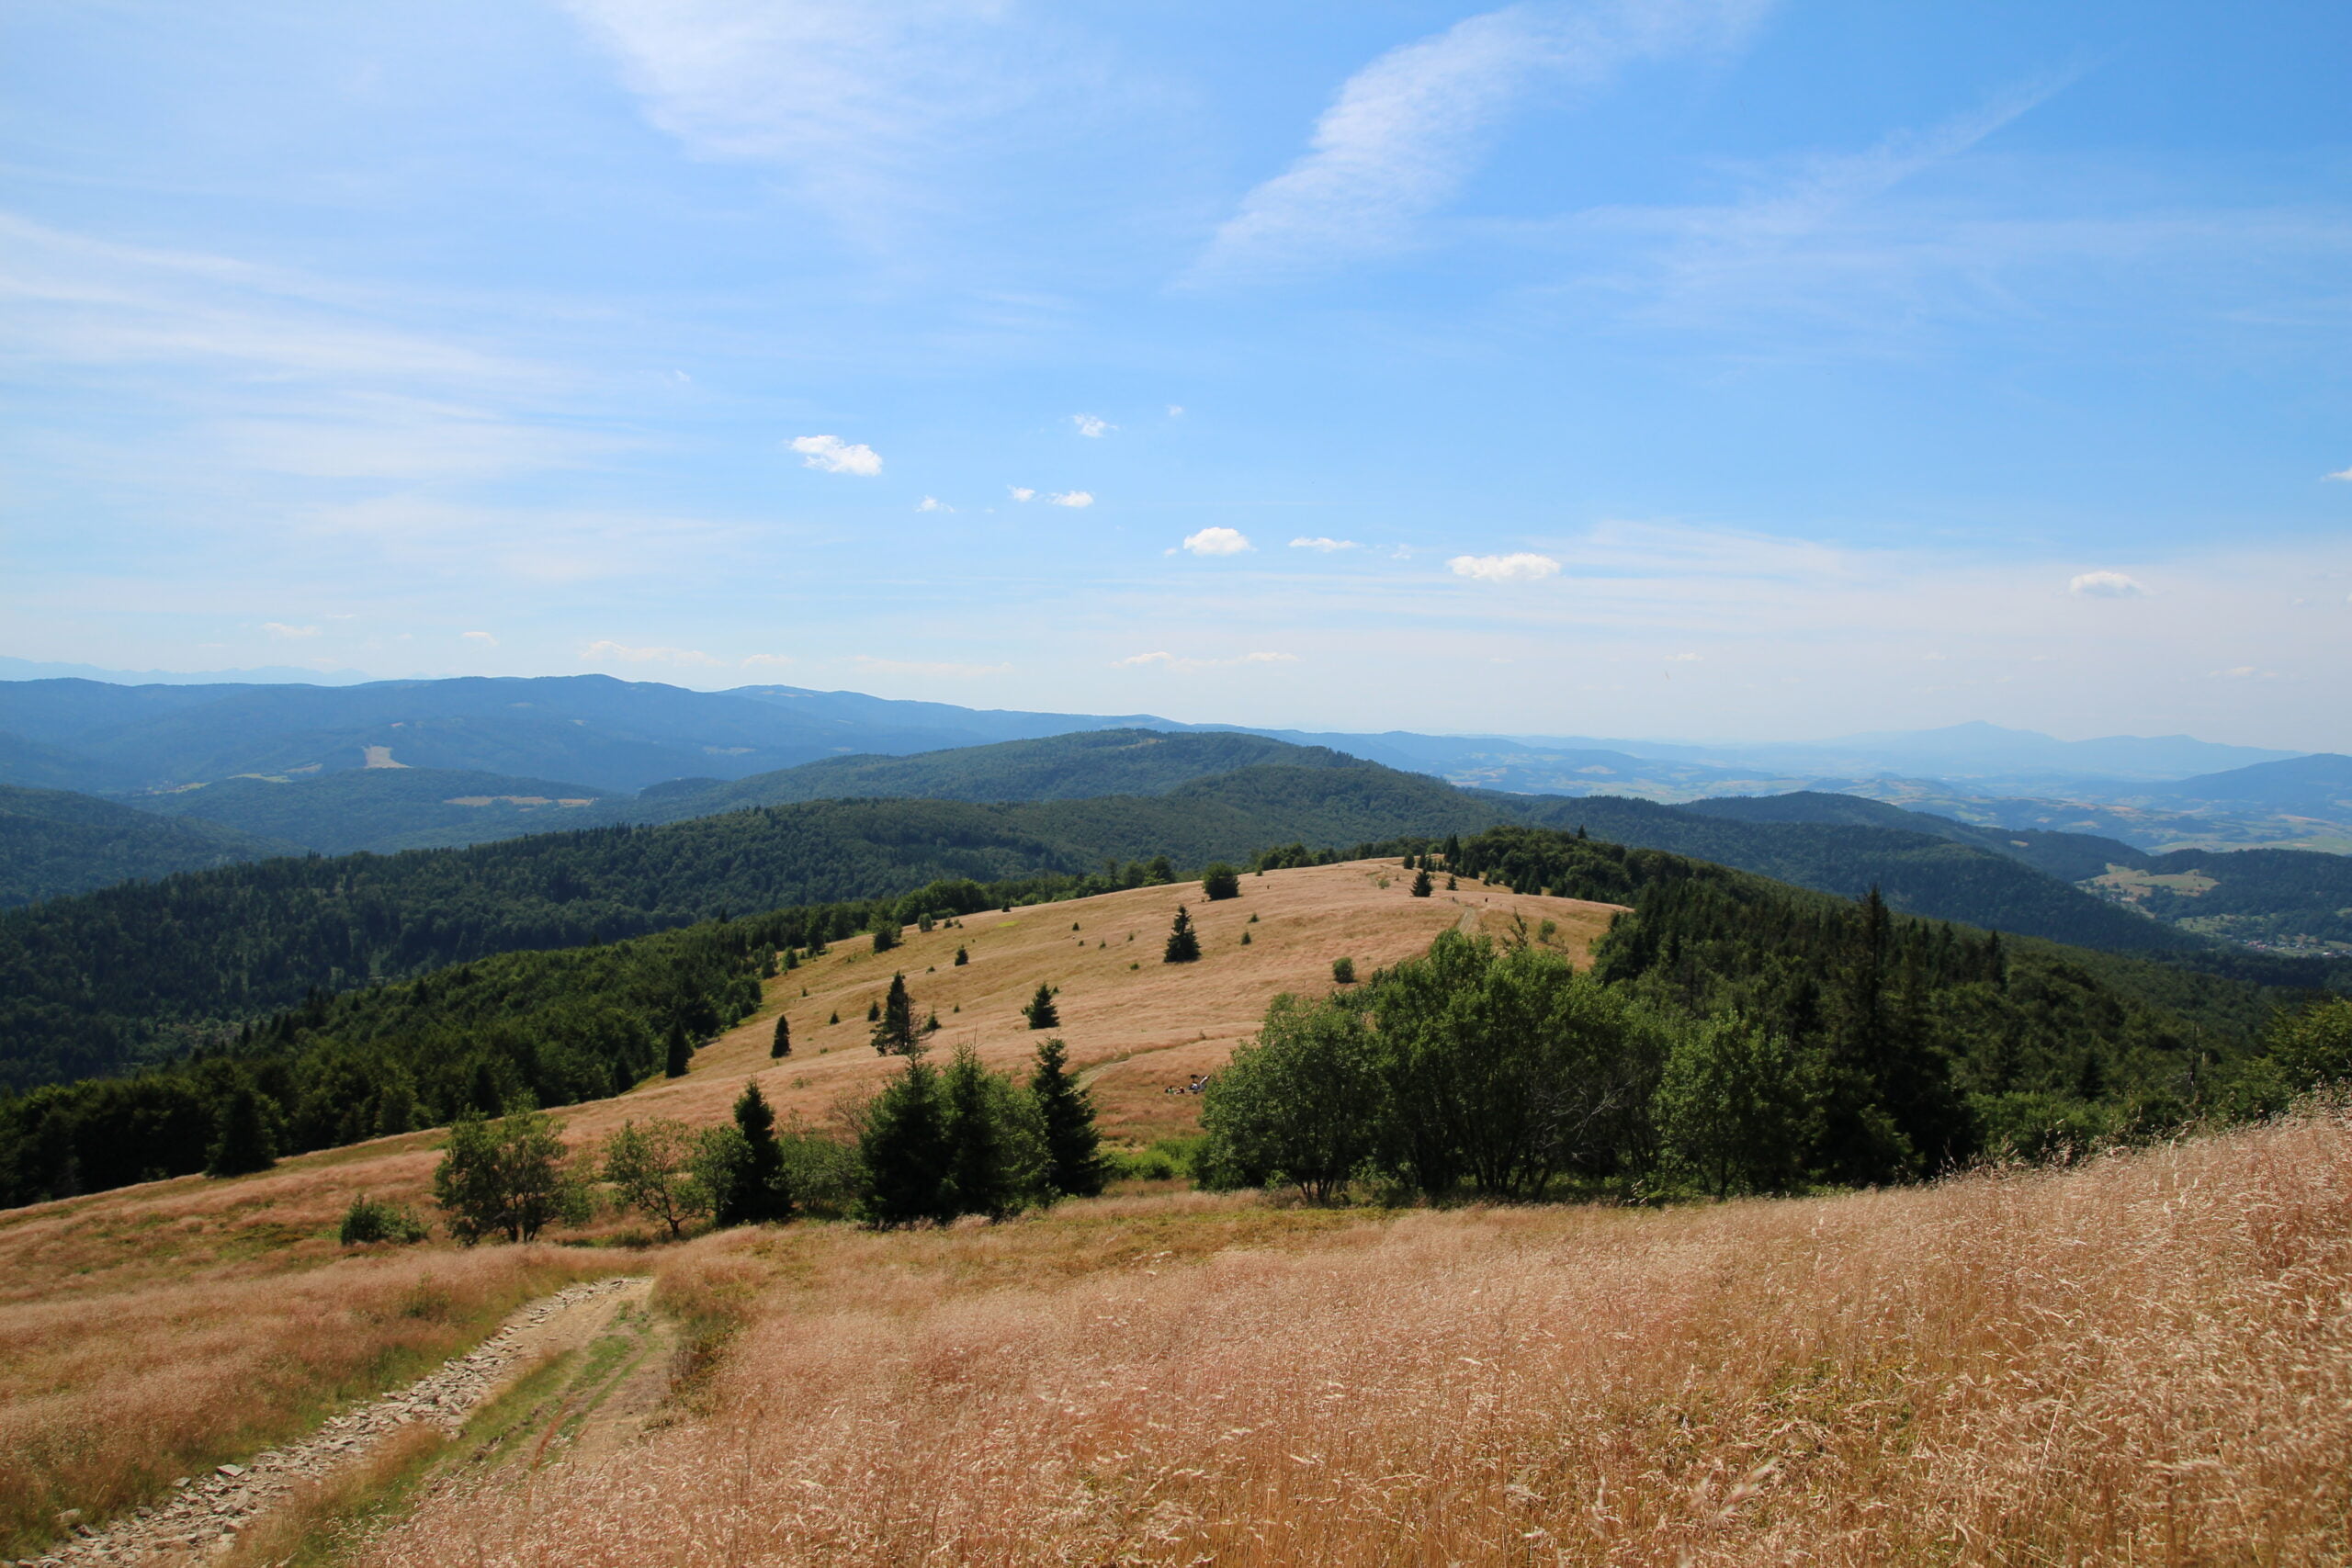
1220 881
1343 971
506 1177
369 1221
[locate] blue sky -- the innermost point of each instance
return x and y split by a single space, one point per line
1663 367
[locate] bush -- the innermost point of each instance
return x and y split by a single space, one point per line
506 1177
1343 971
1220 881
368 1221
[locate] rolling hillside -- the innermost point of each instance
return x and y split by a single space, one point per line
381 809
54 844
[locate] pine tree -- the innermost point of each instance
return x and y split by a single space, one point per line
894 1031
781 1046
904 1150
1421 884
979 1172
243 1143
677 1051
962 958
886 936
1183 943
836 1017
1073 1148
760 1191
1041 1011
873 1011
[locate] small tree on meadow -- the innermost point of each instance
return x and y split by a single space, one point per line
782 1044
962 957
651 1168
886 936
1073 1147
904 1150
506 1177
1183 943
1220 881
1421 885
894 1029
243 1143
1041 1011
749 1185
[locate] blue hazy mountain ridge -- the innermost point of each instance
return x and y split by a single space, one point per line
274 674
54 844
382 809
2321 782
1975 751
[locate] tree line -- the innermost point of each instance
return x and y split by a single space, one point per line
1733 1035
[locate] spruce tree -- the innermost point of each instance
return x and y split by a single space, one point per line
1183 943
782 1045
677 1051
894 1031
886 936
760 1190
243 1143
1421 884
904 1150
979 1172
1073 1148
1041 1011
962 958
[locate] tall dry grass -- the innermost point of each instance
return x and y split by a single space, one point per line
154 1333
2146 1360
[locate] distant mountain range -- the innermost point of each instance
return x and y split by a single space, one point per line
322 764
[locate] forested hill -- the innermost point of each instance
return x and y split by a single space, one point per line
1059 767
98 983
1918 873
1925 1043
54 842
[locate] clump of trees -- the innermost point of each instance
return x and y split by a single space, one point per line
939 1143
1220 881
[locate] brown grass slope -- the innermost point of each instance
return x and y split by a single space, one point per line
2146 1360
160 1329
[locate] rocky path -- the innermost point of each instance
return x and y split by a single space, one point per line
206 1512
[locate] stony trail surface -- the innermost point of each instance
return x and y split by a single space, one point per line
206 1514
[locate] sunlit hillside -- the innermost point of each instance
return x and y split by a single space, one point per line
166 1327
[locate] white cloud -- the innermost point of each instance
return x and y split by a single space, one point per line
1092 427
1175 411
1071 498
598 652
1326 545
1217 542
767 661
1161 657
1021 493
1406 130
832 455
932 504
1519 567
482 637
1269 658
2105 585
280 628
2340 474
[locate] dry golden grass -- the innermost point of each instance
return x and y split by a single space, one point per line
158 1329
2145 1360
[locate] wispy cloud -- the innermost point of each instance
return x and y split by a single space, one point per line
2340 474
1326 544
1166 661
1522 567
1091 426
920 666
932 504
1405 131
832 455
485 639
1071 498
1021 493
1218 542
603 651
280 628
